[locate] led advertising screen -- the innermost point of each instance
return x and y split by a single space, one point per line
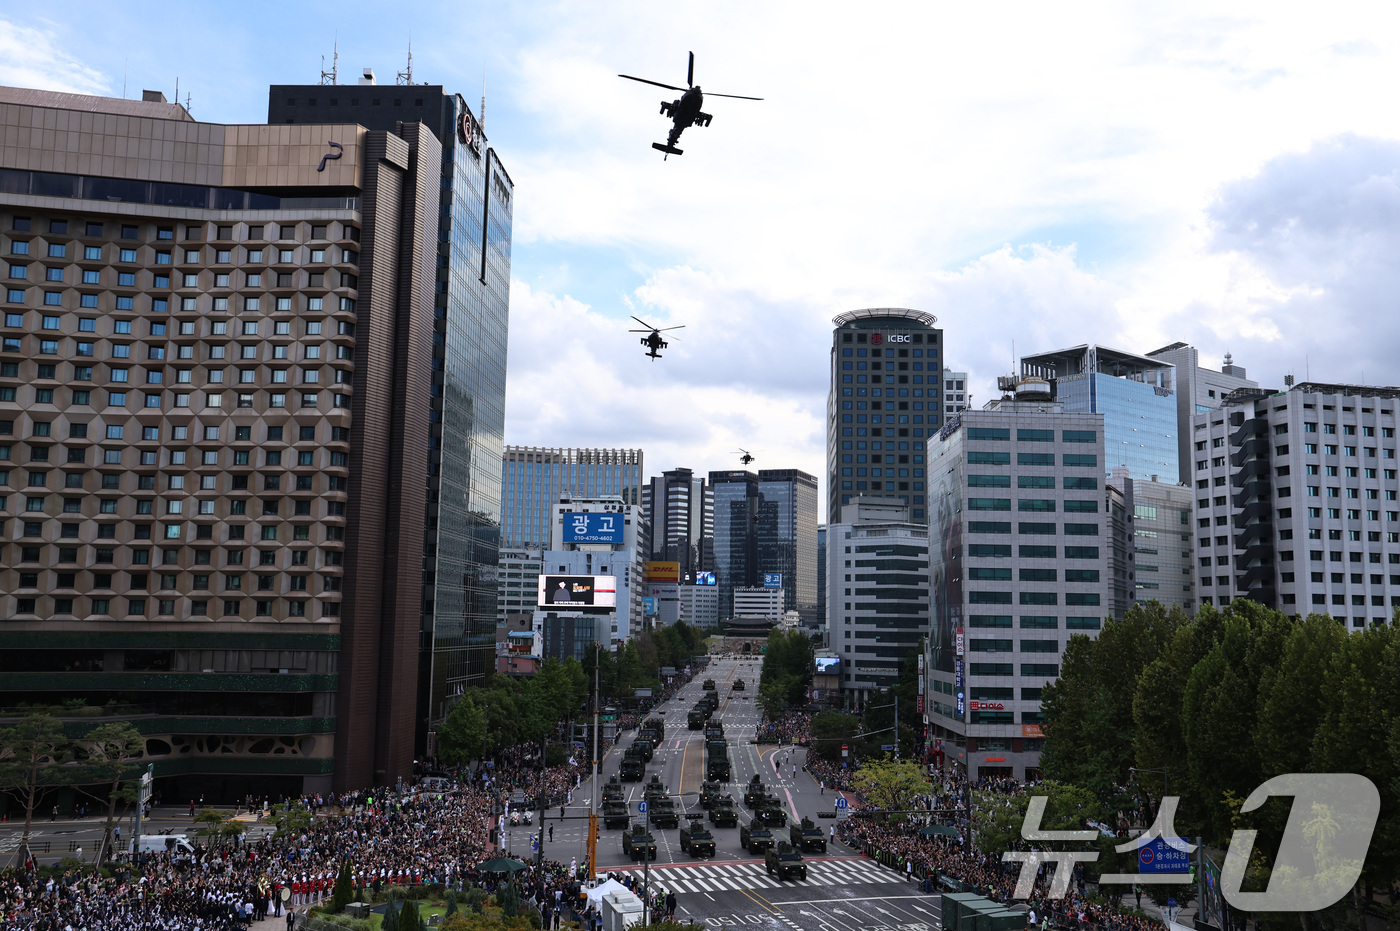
705 578
578 591
592 528
661 571
828 664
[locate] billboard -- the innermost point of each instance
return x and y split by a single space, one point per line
592 528
705 578
580 591
828 665
661 571
772 580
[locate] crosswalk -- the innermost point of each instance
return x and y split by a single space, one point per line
727 877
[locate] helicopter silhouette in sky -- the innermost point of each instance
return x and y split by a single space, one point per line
653 340
685 111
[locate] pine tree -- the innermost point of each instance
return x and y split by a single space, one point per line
343 892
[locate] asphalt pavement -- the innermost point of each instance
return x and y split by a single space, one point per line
843 891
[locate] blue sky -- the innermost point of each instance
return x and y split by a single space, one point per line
1121 173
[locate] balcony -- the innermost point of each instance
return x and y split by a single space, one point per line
1255 489
1255 426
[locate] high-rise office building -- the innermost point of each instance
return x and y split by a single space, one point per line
215 341
956 397
766 525
1163 542
821 576
466 398
1134 393
534 479
680 507
886 369
1018 560
1296 501
1198 389
879 572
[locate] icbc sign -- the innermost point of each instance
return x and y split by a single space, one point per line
878 339
986 705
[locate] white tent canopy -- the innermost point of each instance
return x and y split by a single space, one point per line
598 892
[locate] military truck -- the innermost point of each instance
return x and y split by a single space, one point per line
612 789
738 685
709 793
723 814
695 718
654 788
755 837
771 812
697 840
616 813
638 844
711 701
717 761
709 685
663 812
653 729
632 768
785 862
807 837
644 747
755 791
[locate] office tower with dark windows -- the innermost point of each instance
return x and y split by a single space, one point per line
680 508
1296 501
1136 396
466 400
213 448
766 535
1162 544
886 374
533 480
1018 545
821 576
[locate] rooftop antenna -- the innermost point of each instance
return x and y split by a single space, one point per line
481 117
334 74
177 91
406 76
187 101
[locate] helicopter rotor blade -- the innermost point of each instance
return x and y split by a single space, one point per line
670 87
665 328
644 323
690 72
731 96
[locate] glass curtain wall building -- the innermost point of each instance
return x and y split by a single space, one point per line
462 521
1134 393
766 523
534 479
886 370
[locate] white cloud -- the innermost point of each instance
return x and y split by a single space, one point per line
33 57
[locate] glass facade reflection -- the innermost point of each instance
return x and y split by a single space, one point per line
533 479
766 523
1139 423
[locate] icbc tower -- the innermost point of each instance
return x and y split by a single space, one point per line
885 368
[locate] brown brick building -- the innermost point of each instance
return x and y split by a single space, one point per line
213 447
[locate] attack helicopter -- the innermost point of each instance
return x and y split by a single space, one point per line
653 340
685 111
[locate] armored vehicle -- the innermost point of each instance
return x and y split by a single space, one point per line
616 813
785 862
755 837
697 840
638 844
807 837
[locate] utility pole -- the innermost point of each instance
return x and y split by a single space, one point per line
594 770
896 728
544 744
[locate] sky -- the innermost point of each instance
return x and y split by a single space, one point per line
1036 175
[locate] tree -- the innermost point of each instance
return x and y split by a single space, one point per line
831 729
998 818
462 734
30 755
290 820
111 752
409 919
211 823
891 785
344 891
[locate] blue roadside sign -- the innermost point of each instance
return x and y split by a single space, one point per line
641 808
886 746
840 801
1160 857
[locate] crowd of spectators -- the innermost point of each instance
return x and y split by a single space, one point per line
794 727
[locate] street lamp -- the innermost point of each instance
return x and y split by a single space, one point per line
1162 770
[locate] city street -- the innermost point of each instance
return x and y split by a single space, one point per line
843 891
